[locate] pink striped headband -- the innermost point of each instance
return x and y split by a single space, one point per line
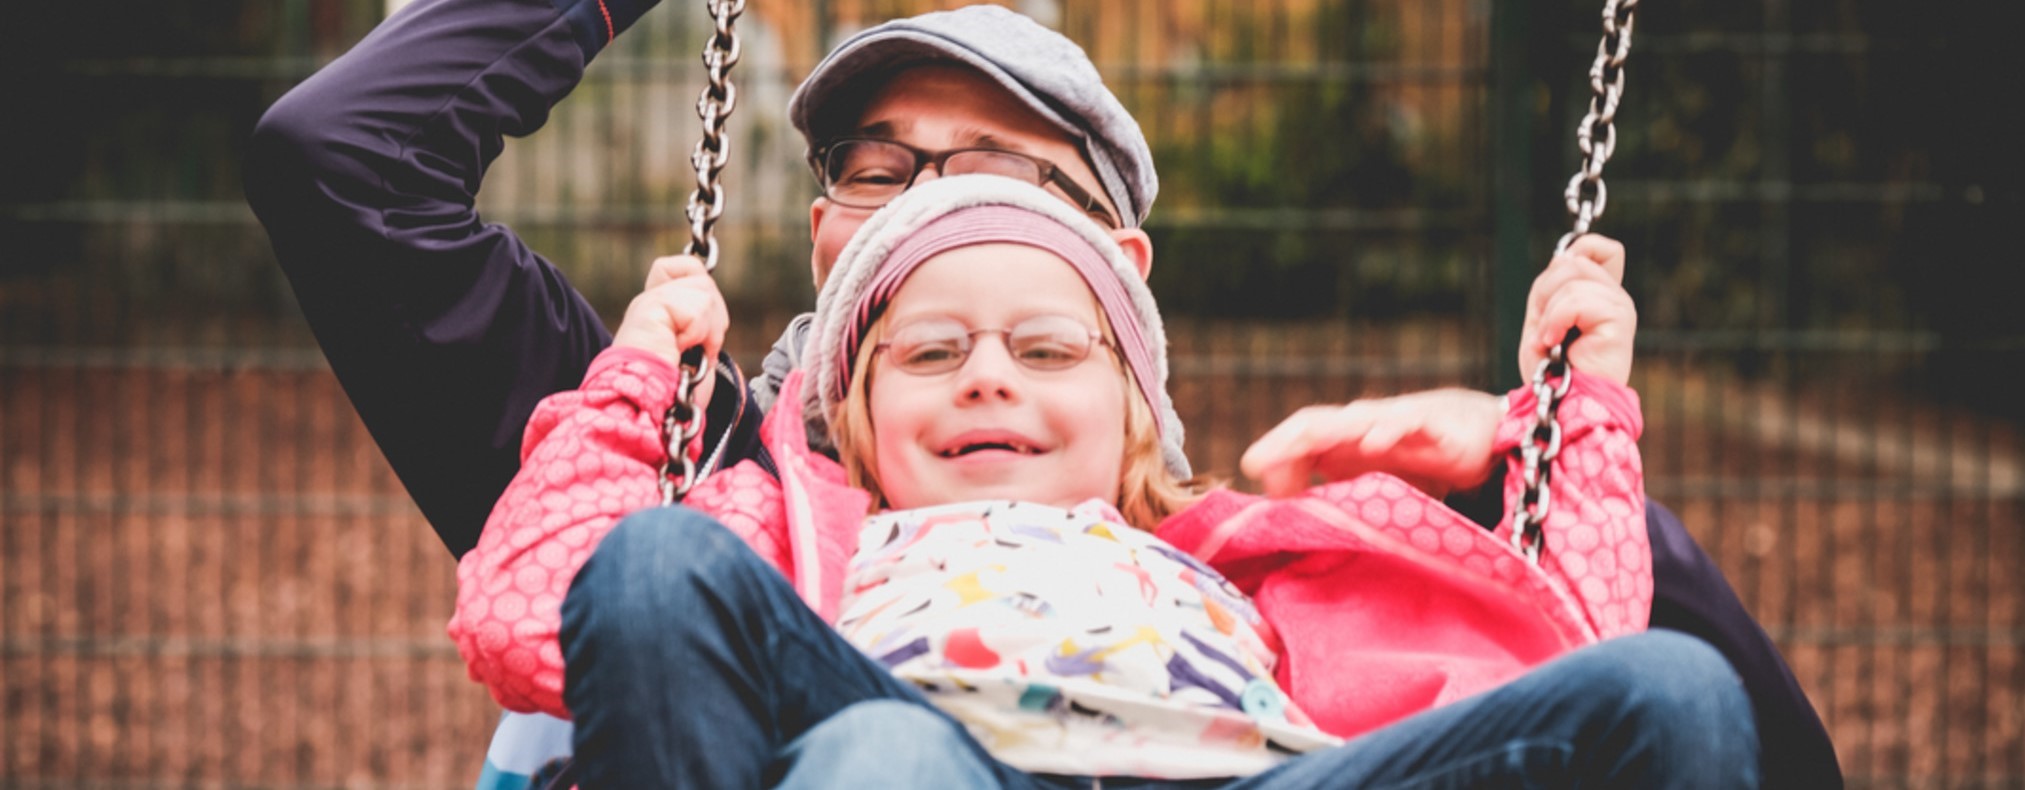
1000 223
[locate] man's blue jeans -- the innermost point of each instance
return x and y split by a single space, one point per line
692 663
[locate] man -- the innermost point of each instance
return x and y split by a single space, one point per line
446 331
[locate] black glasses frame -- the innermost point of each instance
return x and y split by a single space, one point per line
819 161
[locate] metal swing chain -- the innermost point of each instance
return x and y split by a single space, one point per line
682 423
1586 196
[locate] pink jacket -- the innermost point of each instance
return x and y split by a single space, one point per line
1386 601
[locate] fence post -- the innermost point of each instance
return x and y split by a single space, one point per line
1512 263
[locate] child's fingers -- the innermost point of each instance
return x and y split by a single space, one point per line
1578 305
705 388
1561 274
1603 250
683 313
1562 270
669 268
1567 268
697 315
1608 320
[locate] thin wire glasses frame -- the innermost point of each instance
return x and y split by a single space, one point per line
870 191
1042 343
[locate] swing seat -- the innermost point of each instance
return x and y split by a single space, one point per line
528 750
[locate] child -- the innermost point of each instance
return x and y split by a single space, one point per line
993 371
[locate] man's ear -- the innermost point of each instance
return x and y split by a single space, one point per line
1138 248
818 268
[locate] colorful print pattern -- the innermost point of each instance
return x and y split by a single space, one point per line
1070 643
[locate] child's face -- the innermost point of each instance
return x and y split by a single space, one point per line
993 428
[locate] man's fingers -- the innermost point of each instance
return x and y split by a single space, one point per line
1315 439
1383 436
1287 478
1285 441
1437 440
1283 460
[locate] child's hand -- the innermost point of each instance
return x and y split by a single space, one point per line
1583 288
680 309
1437 440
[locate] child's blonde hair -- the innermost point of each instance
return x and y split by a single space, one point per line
1148 492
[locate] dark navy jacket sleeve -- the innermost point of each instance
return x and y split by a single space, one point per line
1690 595
444 330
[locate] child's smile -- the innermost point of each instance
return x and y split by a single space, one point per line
991 445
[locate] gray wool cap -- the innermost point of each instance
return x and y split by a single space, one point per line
1041 67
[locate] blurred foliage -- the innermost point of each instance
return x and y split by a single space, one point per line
1839 167
1316 148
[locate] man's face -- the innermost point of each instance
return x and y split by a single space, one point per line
939 107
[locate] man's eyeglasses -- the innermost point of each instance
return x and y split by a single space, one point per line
869 173
1047 342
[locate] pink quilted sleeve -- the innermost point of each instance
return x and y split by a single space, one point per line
589 458
1596 543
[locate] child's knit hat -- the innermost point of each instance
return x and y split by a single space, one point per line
963 211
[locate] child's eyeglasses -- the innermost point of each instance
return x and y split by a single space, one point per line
1048 342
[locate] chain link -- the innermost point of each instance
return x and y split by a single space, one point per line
1550 385
1596 135
679 427
714 107
1586 195
682 423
